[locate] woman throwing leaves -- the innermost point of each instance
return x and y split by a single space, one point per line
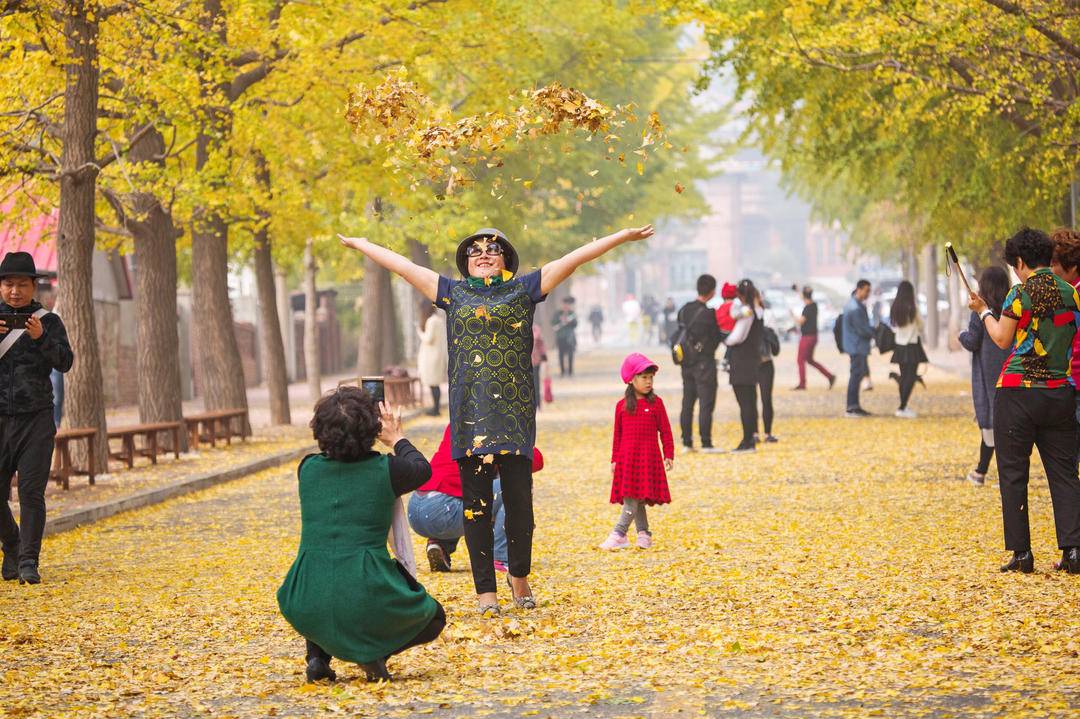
492 406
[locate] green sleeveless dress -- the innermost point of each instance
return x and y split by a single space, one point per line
344 592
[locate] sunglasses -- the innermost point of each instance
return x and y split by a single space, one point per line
492 250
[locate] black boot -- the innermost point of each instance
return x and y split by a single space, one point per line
1070 560
376 671
1021 562
318 668
28 574
11 564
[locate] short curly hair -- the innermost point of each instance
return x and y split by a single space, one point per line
1030 245
1066 247
346 423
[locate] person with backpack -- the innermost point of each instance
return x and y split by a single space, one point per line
855 336
698 336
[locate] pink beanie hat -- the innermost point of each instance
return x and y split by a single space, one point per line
635 364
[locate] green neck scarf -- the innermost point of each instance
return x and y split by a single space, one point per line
482 282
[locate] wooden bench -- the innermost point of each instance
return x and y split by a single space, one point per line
150 448
62 467
215 425
403 391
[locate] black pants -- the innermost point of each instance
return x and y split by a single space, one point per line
699 385
436 397
746 394
1044 418
566 359
765 375
478 500
26 447
986 453
909 373
427 634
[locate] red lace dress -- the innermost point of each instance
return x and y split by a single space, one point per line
636 452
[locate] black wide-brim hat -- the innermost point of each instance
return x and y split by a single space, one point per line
20 264
510 255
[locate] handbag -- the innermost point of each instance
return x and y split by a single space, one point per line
884 338
681 349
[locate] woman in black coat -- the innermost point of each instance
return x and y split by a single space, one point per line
986 362
744 359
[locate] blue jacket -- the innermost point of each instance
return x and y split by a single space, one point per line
857 330
986 362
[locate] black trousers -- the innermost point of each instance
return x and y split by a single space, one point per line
428 634
766 374
699 385
1044 418
746 395
26 447
478 500
909 373
436 397
566 359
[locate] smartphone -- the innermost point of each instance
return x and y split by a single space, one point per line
375 387
15 322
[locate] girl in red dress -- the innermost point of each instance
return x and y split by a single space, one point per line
637 465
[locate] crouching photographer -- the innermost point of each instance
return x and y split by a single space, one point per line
33 342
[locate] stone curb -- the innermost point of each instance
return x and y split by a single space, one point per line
92 513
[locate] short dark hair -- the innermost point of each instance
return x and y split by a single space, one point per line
1032 246
861 283
705 285
808 292
346 423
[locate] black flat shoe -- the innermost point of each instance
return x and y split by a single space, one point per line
11 564
318 669
28 574
1020 562
376 671
1070 560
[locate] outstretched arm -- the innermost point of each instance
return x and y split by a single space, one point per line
425 281
553 273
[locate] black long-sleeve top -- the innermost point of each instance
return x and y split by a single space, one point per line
408 467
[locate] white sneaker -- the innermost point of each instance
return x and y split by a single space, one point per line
906 413
976 478
711 450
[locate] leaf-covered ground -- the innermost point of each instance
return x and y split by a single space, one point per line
846 571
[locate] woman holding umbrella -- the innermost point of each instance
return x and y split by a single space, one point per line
492 407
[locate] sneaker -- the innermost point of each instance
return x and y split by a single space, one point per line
615 541
771 439
688 448
906 413
857 412
744 450
798 389
437 558
976 478
711 450
500 566
28 574
644 540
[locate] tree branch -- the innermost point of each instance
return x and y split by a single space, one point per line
1052 35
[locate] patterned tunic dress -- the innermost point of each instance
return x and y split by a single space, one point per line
490 342
639 464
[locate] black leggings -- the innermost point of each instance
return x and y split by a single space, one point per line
428 634
477 477
746 394
436 396
765 376
986 453
909 372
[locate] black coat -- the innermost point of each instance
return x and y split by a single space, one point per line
25 369
987 360
745 357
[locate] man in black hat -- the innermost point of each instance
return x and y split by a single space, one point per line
492 407
33 342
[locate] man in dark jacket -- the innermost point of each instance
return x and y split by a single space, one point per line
566 336
699 366
857 335
33 342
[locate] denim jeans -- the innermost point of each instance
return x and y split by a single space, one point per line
859 369
440 517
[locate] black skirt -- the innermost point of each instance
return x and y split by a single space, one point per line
910 354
